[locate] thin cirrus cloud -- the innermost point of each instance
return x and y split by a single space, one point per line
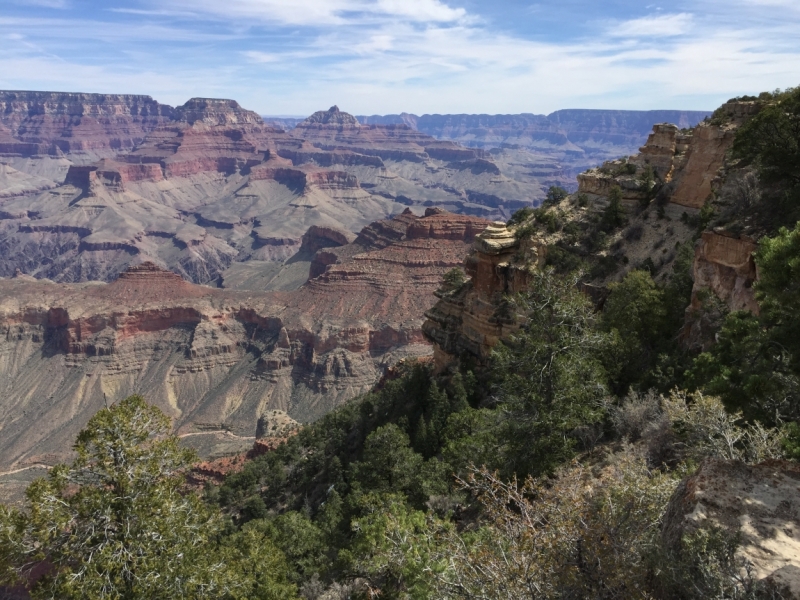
381 56
654 26
322 13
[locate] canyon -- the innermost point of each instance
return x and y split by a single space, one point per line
555 147
218 360
91 184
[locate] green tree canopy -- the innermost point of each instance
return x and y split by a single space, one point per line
614 214
549 376
117 522
755 364
555 194
771 139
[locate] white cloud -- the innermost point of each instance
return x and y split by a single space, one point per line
654 26
321 13
261 57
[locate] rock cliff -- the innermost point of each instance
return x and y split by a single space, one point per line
469 320
217 360
577 139
87 125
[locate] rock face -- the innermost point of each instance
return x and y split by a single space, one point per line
215 111
87 125
332 116
468 320
692 161
217 360
724 264
208 185
759 502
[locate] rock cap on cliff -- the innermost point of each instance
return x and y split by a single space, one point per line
216 111
332 116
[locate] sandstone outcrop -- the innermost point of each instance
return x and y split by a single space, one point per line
724 264
757 502
332 116
691 165
216 111
218 360
469 320
692 161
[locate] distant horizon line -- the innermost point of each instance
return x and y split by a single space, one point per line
400 114
264 116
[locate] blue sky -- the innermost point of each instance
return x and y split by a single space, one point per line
293 57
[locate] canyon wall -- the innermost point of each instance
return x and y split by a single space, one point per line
577 139
201 187
217 360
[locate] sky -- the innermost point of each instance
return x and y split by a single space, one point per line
293 57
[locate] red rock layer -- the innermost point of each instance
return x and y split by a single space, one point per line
55 123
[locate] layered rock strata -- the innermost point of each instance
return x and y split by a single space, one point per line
92 125
207 185
216 361
691 165
577 139
692 161
470 320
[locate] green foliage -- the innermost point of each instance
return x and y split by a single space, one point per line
614 214
116 523
395 548
520 216
778 288
705 565
556 539
771 139
304 543
549 219
453 279
647 184
582 200
604 266
549 379
705 215
389 464
563 260
790 442
254 566
637 313
754 364
645 319
555 194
